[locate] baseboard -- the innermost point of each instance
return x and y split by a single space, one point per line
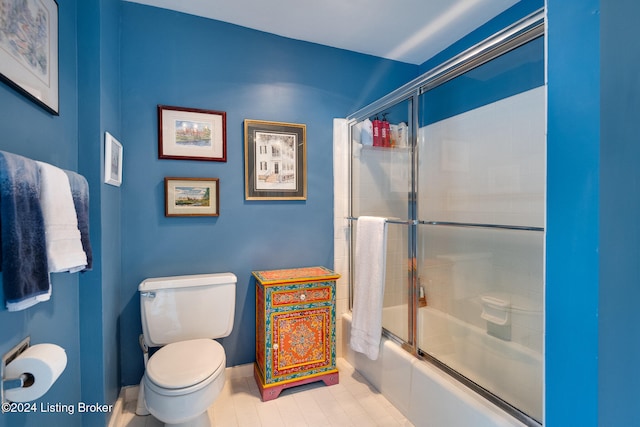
239 371
118 406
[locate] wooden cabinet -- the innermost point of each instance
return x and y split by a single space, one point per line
295 328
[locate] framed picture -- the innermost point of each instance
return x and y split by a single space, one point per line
29 49
192 196
275 160
112 160
192 134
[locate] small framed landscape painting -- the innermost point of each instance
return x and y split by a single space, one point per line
191 196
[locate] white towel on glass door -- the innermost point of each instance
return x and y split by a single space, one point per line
368 289
64 247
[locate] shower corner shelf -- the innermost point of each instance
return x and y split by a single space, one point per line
385 149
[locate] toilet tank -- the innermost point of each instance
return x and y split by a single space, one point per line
180 308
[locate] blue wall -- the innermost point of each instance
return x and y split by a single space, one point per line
592 233
28 130
82 315
593 237
182 60
619 329
573 214
99 111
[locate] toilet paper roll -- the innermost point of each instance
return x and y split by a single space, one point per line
44 363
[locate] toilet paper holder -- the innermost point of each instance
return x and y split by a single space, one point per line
24 380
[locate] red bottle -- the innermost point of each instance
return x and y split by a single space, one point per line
377 133
386 134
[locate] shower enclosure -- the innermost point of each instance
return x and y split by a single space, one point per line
461 180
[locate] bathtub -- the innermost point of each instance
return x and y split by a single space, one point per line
427 396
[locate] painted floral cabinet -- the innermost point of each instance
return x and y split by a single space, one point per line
295 328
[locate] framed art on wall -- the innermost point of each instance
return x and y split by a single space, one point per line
191 196
112 160
275 160
192 134
29 49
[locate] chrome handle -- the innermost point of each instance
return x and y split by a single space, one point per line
148 294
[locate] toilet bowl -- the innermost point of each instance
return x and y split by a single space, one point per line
182 315
183 379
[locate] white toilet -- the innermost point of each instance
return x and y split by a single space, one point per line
183 314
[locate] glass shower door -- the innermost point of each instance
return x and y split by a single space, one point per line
381 185
480 240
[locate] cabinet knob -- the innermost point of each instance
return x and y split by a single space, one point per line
275 346
303 297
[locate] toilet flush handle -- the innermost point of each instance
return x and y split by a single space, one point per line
148 294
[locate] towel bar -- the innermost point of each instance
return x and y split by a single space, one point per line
391 221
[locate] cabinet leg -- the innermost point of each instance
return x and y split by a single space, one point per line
331 379
272 392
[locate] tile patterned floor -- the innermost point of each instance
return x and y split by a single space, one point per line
351 403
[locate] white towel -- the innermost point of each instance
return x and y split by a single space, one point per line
368 289
29 301
64 247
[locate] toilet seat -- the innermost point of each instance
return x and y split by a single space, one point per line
185 364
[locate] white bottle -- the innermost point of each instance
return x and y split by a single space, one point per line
403 135
366 134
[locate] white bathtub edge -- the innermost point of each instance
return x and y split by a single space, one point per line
421 392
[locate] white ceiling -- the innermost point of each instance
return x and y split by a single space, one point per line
405 30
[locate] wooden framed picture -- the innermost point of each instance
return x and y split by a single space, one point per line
112 160
192 134
275 160
191 196
29 49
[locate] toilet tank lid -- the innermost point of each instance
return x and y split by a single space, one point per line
188 281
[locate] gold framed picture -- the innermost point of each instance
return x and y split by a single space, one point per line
275 160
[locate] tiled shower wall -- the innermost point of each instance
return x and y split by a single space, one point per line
486 166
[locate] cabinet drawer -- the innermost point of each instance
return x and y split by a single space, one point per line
311 295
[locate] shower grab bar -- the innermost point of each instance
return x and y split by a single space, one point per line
391 221
468 224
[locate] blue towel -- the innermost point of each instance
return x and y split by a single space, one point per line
25 272
80 193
